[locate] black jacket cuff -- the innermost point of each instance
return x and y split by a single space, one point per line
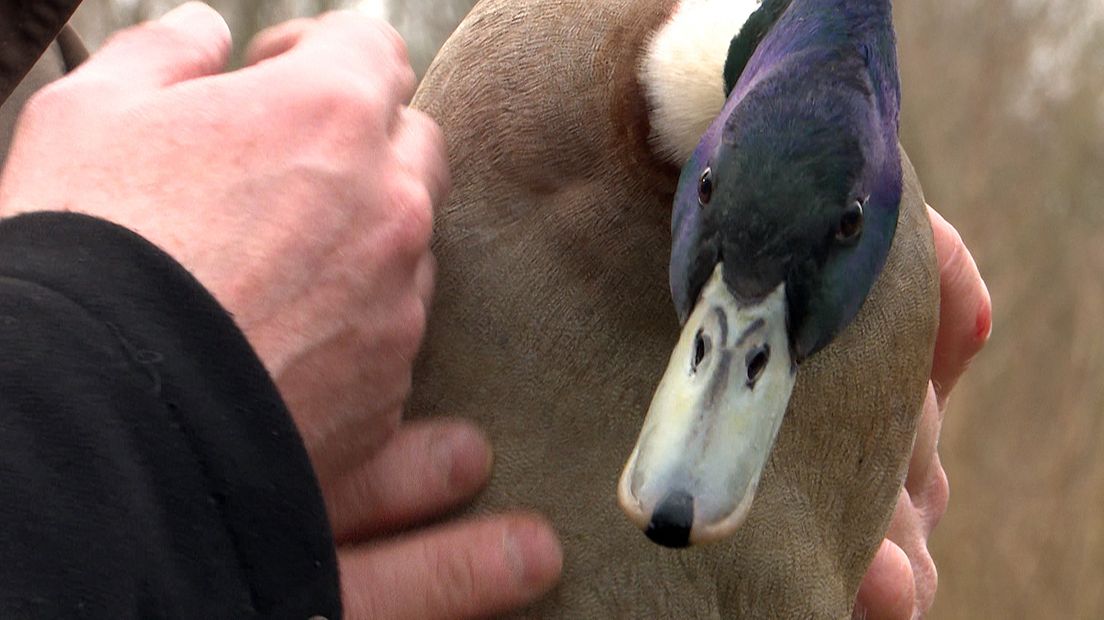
153 469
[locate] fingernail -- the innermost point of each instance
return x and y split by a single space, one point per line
187 14
534 554
983 324
463 456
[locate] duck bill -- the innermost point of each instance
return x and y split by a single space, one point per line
713 420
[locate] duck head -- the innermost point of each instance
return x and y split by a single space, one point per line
783 219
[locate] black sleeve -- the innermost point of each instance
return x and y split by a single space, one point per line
148 467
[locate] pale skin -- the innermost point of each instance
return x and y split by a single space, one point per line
902 580
300 190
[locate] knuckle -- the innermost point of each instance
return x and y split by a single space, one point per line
48 102
927 581
394 42
429 132
72 89
938 497
414 224
396 49
455 572
331 96
435 135
187 47
379 30
406 79
338 98
398 45
59 103
373 34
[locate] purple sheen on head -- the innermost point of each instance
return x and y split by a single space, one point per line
830 295
686 216
686 223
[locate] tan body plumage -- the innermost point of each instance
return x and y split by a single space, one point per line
552 324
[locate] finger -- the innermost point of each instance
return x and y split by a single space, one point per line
467 570
924 447
365 47
926 482
349 39
189 42
909 530
420 149
278 39
888 590
931 501
425 469
965 311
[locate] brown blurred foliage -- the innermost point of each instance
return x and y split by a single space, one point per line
1004 120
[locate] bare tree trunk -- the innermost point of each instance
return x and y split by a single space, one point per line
426 24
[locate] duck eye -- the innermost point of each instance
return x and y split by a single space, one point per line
851 223
705 187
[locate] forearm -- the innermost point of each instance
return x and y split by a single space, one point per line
150 465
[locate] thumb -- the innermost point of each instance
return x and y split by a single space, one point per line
188 42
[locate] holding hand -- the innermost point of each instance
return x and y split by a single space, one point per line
299 190
901 582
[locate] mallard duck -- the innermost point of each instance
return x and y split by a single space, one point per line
567 123
783 219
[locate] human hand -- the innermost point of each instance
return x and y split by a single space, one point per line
458 570
902 579
462 569
298 190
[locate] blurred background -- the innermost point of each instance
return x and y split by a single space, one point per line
1004 120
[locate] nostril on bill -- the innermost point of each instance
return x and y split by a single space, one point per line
757 360
701 350
672 520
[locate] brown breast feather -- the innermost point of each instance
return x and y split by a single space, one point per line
552 324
